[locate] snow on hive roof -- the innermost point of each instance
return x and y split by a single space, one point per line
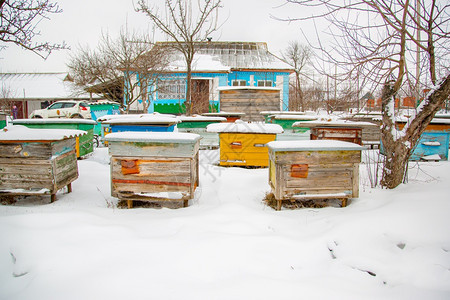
154 118
53 121
237 55
294 117
315 145
153 137
243 127
22 133
46 86
333 123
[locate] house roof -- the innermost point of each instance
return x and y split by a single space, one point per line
39 86
226 56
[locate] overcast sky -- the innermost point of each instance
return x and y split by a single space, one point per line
82 22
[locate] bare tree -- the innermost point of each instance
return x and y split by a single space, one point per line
121 69
297 56
383 41
19 20
185 25
6 99
314 97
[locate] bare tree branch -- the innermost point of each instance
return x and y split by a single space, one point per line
380 41
184 27
19 20
120 69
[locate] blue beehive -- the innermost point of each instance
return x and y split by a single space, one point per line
431 145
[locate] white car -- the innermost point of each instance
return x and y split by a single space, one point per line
64 109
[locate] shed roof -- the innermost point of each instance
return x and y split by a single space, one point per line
40 86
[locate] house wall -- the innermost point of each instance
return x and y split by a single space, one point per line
175 105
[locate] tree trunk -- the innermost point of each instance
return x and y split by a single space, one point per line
399 144
299 92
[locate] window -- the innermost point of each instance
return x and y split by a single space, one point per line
56 105
67 105
238 82
172 89
265 83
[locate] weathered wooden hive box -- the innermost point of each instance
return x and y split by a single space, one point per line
347 134
249 100
154 166
37 161
303 170
84 143
244 144
341 130
197 124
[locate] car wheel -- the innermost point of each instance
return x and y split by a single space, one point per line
37 117
76 116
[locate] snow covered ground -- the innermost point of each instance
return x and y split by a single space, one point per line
388 244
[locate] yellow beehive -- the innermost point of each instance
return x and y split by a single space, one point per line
244 144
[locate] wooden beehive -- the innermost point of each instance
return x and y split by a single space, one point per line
249 100
37 161
244 144
303 170
362 133
352 135
84 143
154 166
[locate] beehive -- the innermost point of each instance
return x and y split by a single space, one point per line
84 143
302 170
342 130
433 144
154 166
244 144
142 123
37 161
